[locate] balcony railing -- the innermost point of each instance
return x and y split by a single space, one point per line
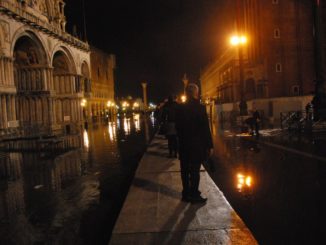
19 13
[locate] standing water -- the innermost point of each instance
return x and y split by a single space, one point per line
71 197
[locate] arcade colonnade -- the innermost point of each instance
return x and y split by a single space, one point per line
40 89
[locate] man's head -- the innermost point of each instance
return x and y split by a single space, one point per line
192 91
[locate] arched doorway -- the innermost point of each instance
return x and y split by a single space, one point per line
67 86
31 73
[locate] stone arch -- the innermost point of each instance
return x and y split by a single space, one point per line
85 71
68 57
31 69
34 39
86 81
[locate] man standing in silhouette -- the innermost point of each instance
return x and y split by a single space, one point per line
195 143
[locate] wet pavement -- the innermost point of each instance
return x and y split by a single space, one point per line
153 212
276 184
72 197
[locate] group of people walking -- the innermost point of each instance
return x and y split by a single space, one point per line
188 133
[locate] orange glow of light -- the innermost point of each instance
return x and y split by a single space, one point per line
243 182
183 98
238 40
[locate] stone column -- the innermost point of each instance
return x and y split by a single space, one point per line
1 115
144 85
8 105
1 71
10 72
13 107
185 82
51 111
4 111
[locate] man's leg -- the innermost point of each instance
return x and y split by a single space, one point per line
194 182
185 179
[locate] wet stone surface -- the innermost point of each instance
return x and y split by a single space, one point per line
72 197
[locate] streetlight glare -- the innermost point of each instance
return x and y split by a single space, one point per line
236 40
183 98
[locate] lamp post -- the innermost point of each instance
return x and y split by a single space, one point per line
144 85
239 42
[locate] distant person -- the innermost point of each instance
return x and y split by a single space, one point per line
195 143
256 121
309 111
253 122
169 117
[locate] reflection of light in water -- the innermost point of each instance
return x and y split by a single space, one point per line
126 125
118 123
86 140
112 131
152 118
244 182
244 135
137 122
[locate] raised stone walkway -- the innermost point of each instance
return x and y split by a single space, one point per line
154 214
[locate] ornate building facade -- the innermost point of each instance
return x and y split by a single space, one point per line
278 59
43 70
100 97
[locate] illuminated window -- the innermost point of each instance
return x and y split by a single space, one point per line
277 33
278 67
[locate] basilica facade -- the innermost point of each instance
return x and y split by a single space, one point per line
43 70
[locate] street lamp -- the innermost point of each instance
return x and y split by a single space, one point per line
240 41
183 98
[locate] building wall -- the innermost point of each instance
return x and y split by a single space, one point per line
102 88
280 35
41 79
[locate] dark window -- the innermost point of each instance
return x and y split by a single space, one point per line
277 33
278 67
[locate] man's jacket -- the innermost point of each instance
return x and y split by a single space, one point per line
193 131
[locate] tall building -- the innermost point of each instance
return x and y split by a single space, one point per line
43 70
100 94
278 58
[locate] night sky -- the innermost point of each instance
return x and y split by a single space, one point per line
154 40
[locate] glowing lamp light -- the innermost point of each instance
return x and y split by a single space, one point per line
136 104
238 40
83 103
183 98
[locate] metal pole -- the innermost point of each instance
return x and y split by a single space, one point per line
243 103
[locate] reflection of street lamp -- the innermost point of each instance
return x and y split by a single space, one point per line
240 41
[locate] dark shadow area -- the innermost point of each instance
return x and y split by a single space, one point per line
155 187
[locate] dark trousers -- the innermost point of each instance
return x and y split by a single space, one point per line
173 144
190 176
